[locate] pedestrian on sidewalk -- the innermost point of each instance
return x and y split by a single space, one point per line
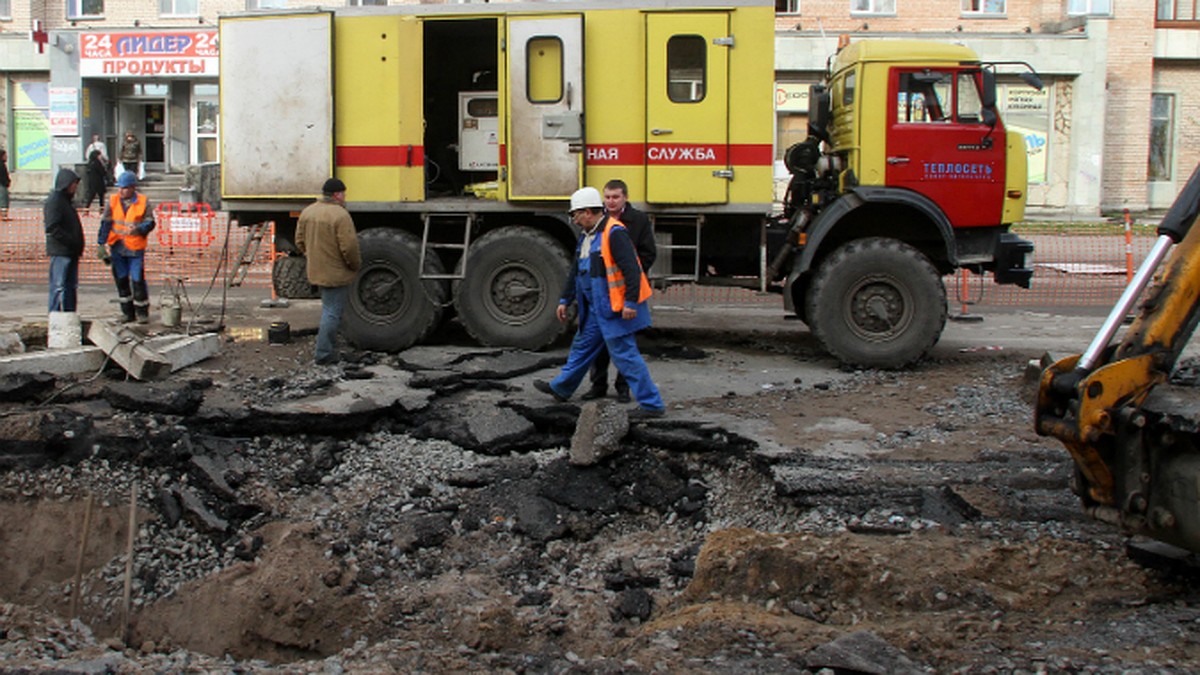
325 234
5 183
64 241
131 156
641 232
97 181
124 226
610 291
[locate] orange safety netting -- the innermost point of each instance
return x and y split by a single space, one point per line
199 253
1071 269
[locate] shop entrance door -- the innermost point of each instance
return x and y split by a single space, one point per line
148 122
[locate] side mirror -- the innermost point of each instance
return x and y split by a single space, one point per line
1031 78
988 95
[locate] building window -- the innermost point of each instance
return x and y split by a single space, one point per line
85 9
1027 111
205 108
984 7
31 125
872 6
5 9
686 57
266 4
1089 7
787 6
1178 10
1162 123
179 7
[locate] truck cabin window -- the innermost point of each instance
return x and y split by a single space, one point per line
970 103
924 97
686 59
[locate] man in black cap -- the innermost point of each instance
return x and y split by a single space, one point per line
325 234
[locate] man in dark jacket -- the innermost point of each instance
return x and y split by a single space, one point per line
64 241
641 232
97 180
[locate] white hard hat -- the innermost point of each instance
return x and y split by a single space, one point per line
586 198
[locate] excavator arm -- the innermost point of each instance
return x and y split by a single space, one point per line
1135 439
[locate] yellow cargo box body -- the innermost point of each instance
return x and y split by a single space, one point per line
675 101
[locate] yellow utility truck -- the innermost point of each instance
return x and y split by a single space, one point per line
461 130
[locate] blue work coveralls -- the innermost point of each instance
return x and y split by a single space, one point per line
600 326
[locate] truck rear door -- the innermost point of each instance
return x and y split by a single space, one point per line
687 100
544 124
379 134
276 112
938 144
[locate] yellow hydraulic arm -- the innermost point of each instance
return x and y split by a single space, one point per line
1093 402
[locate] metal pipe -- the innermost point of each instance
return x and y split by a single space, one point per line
1126 303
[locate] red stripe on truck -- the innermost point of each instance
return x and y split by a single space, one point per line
379 155
680 154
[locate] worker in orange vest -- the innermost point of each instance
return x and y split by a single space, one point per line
124 226
610 290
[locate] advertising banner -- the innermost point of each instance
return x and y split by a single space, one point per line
64 111
155 54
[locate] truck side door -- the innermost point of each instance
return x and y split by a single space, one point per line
544 97
379 134
687 108
938 144
276 114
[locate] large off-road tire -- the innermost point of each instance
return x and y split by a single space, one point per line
514 276
877 303
289 276
390 308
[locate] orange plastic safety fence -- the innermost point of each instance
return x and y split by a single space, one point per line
23 253
181 225
1071 270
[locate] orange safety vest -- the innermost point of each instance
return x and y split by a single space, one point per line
123 222
616 280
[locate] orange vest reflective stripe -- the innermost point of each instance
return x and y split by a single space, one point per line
616 280
124 221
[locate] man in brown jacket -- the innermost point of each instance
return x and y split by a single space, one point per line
325 234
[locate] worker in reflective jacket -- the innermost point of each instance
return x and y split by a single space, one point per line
611 291
126 222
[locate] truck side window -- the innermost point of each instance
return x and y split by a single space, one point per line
544 61
686 59
970 105
924 97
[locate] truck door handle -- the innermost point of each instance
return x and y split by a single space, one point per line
660 132
897 160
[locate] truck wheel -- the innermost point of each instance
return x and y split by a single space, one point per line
390 308
877 303
289 276
510 293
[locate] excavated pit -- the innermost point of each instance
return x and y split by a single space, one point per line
422 512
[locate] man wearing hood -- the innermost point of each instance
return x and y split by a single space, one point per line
64 241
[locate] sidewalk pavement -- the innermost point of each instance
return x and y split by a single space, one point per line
1062 330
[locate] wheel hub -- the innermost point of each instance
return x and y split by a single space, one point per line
880 308
515 295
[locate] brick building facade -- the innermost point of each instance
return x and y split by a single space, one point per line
1115 127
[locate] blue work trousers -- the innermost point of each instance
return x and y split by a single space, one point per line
623 349
333 303
64 282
